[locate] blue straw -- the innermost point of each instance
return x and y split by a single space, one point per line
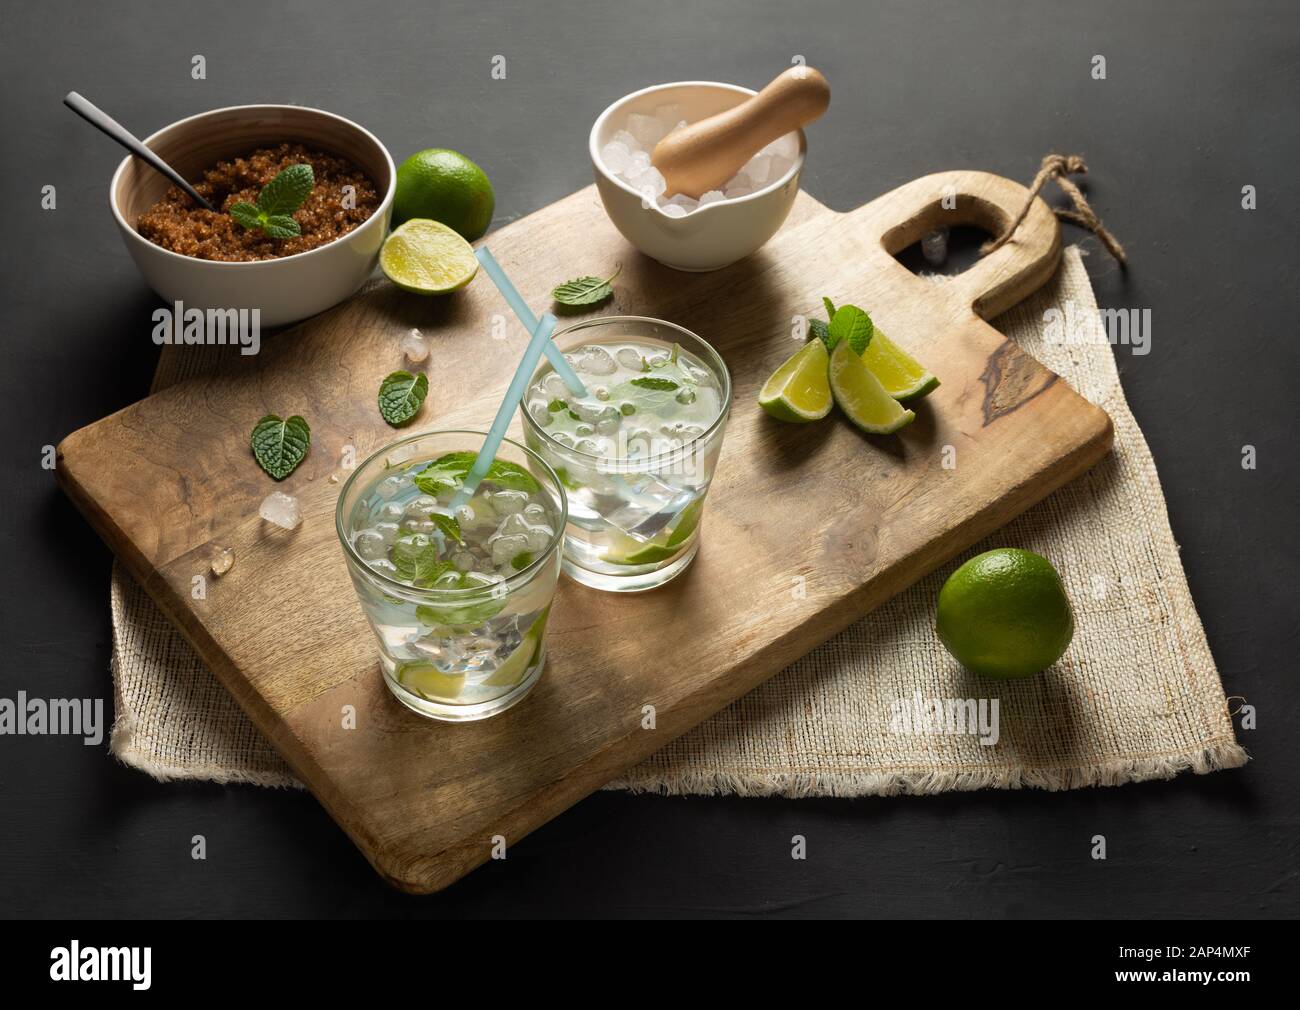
515 300
541 339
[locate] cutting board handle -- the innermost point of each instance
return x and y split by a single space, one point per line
991 202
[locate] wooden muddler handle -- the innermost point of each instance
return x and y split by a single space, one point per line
704 155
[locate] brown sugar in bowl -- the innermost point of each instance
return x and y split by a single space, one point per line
285 288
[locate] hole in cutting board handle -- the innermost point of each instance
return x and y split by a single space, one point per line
964 241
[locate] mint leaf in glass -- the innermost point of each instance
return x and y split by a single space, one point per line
449 525
415 556
280 445
400 396
654 382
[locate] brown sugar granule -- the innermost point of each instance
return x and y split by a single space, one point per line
175 222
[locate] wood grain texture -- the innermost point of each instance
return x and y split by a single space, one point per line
169 480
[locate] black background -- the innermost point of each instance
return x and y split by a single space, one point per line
1199 100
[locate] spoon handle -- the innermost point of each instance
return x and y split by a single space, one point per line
102 121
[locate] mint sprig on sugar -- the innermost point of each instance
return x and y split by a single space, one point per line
279 445
279 198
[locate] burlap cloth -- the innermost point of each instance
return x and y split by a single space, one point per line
1137 696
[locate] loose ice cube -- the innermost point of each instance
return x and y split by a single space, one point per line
222 562
415 347
281 509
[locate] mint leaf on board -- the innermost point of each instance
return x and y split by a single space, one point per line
654 382
583 292
401 395
852 324
287 191
280 197
280 445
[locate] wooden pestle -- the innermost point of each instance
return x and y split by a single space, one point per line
704 155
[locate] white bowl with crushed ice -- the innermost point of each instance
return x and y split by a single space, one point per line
723 225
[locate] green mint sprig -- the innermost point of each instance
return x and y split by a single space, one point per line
401 395
279 198
585 292
848 322
280 445
448 473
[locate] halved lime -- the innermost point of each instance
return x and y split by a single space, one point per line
662 547
862 397
428 258
428 681
512 671
903 377
797 391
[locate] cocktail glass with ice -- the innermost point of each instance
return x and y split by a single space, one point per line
637 452
458 594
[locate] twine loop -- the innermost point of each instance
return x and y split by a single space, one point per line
1059 167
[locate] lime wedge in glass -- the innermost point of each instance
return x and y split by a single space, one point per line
662 547
862 397
428 258
428 681
797 391
512 671
903 377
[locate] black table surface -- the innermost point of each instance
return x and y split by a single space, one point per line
1198 101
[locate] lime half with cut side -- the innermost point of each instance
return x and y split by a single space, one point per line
862 397
798 390
427 258
903 377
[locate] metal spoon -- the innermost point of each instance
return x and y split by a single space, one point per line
102 121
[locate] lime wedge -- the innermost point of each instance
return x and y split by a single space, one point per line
903 377
428 681
662 547
797 391
512 671
862 397
428 258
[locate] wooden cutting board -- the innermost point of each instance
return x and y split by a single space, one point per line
851 519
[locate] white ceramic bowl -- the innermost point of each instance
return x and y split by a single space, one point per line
288 289
717 234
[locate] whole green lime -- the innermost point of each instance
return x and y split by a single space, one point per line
444 186
1005 614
